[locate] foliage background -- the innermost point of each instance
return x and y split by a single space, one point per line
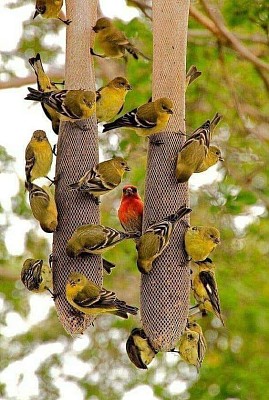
234 197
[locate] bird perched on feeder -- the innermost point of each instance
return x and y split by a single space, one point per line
200 241
139 349
192 345
155 239
130 212
102 178
95 239
73 105
38 156
212 157
44 84
43 206
205 290
49 9
110 98
113 42
85 296
146 120
36 276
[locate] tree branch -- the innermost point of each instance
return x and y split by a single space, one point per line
31 79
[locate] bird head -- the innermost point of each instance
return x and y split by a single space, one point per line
49 227
211 233
164 105
130 191
193 326
39 10
75 279
101 24
88 98
120 83
39 136
120 164
215 153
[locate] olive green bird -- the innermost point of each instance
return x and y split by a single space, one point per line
205 290
110 98
102 178
38 156
200 241
73 105
36 276
139 349
113 42
43 206
95 239
192 345
156 238
44 84
85 296
49 9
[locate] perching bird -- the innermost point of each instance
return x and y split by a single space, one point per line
44 84
112 41
43 206
200 241
49 9
193 152
212 157
95 239
139 349
155 239
38 156
36 276
73 105
192 345
205 290
110 98
102 178
130 212
87 297
191 75
146 120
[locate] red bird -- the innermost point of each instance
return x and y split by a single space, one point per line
130 212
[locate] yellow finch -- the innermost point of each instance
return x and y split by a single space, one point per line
205 290
44 84
73 105
112 41
38 156
110 98
146 120
155 239
200 241
139 349
212 157
95 239
192 345
49 9
87 297
43 206
102 178
191 75
36 276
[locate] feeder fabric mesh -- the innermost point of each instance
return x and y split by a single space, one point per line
77 152
165 290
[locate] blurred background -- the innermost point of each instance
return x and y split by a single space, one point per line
38 359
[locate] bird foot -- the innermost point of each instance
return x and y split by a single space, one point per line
65 21
95 199
95 54
54 149
156 142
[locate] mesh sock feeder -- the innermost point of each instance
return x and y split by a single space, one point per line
165 290
77 151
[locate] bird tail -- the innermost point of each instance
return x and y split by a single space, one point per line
107 265
192 74
214 122
124 309
112 125
74 186
132 235
36 95
36 64
135 52
183 210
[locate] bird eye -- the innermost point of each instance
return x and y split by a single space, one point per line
123 163
212 236
165 108
79 279
194 228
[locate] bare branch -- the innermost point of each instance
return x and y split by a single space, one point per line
15 82
8 275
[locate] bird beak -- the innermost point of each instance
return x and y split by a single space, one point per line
94 28
127 168
129 191
129 87
36 14
221 159
72 283
217 240
169 111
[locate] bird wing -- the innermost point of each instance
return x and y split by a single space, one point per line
31 276
132 119
134 353
105 298
209 282
163 230
117 37
39 193
201 135
97 182
29 161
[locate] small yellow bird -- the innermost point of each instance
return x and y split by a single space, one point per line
192 345
112 41
146 120
36 276
102 178
43 206
73 105
155 239
205 290
212 157
38 156
200 241
87 297
95 239
139 349
44 84
110 98
49 9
